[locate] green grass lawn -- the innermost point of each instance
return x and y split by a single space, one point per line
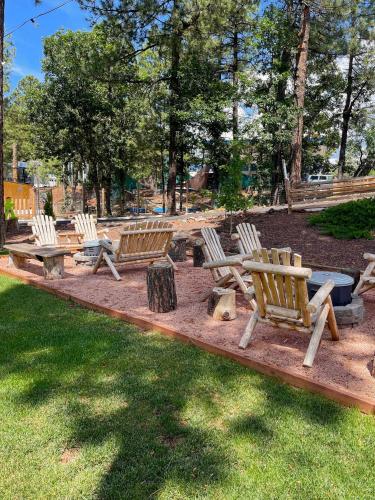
93 408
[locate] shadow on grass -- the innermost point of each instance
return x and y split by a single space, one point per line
117 383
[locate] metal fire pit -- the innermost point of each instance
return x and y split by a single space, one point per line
349 309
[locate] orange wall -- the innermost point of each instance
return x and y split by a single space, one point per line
23 198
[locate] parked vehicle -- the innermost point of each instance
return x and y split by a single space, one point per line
320 178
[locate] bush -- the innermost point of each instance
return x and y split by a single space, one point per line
48 206
352 220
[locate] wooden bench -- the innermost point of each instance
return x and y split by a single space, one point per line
52 258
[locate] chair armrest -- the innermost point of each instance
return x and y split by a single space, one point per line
236 260
104 232
107 246
369 256
320 296
68 233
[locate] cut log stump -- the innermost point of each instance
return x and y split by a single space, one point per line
177 251
222 304
53 267
198 255
161 290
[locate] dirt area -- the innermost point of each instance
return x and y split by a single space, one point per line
278 229
345 365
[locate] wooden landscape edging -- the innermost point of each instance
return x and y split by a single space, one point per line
342 396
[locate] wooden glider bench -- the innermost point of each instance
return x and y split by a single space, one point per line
52 258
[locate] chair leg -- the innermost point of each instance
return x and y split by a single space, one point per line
171 262
111 266
332 324
316 337
98 261
244 342
367 273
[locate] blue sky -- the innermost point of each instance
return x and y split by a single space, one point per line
28 40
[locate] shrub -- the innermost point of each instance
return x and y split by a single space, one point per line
352 220
48 206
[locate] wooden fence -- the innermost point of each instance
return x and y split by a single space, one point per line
23 198
317 191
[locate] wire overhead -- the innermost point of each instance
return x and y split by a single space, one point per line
33 19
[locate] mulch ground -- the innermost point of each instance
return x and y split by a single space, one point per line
344 366
278 229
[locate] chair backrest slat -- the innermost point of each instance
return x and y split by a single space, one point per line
280 290
85 224
214 251
43 228
248 237
156 240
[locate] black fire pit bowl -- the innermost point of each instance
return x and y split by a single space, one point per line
340 295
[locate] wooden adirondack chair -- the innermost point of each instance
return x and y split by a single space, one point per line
367 279
144 241
45 234
282 300
247 238
224 275
85 226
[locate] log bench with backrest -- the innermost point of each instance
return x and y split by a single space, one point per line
336 189
52 258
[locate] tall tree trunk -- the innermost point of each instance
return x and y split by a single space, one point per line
84 198
14 162
98 197
346 115
299 92
235 126
181 173
107 191
2 212
277 157
174 89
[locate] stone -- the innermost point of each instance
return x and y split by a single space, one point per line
351 314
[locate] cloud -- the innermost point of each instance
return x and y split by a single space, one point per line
22 71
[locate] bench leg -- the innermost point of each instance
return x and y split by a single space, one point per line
16 261
53 267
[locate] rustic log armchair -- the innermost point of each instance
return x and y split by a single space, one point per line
224 275
282 301
367 279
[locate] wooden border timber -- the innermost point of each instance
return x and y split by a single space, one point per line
334 190
342 396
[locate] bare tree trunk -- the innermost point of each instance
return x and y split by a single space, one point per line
174 88
235 126
2 212
107 195
299 92
14 162
346 115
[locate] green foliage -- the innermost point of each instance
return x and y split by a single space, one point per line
102 410
48 205
230 196
9 209
352 220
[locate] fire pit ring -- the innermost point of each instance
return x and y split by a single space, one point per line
349 308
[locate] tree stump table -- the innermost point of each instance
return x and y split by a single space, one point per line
222 304
198 255
177 251
161 290
52 258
